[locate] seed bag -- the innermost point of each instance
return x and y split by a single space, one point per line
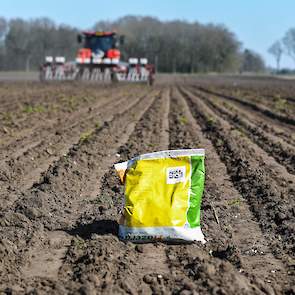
163 193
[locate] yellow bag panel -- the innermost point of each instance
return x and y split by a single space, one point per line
151 198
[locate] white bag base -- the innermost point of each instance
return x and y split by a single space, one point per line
169 234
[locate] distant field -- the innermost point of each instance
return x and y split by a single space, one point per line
19 76
34 76
288 77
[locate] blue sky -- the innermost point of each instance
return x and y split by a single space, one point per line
257 23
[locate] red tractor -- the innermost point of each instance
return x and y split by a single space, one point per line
98 60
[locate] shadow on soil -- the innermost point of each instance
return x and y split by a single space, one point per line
99 227
106 227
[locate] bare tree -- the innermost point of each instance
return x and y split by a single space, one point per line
276 49
289 43
3 30
3 27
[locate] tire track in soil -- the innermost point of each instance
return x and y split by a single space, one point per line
235 236
283 153
130 267
56 202
288 121
274 213
18 174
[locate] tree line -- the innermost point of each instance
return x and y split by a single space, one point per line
173 46
285 45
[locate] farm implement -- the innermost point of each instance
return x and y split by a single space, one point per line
98 60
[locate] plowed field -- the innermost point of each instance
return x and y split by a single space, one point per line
60 200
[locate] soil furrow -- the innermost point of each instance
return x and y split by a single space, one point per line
255 107
148 262
273 127
17 96
63 194
246 248
67 108
284 154
20 173
282 181
274 99
50 125
99 206
272 92
269 126
56 127
45 107
61 200
270 206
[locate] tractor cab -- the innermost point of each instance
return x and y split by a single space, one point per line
99 48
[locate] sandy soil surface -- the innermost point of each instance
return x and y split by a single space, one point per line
60 199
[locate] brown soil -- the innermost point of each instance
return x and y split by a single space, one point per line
61 200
